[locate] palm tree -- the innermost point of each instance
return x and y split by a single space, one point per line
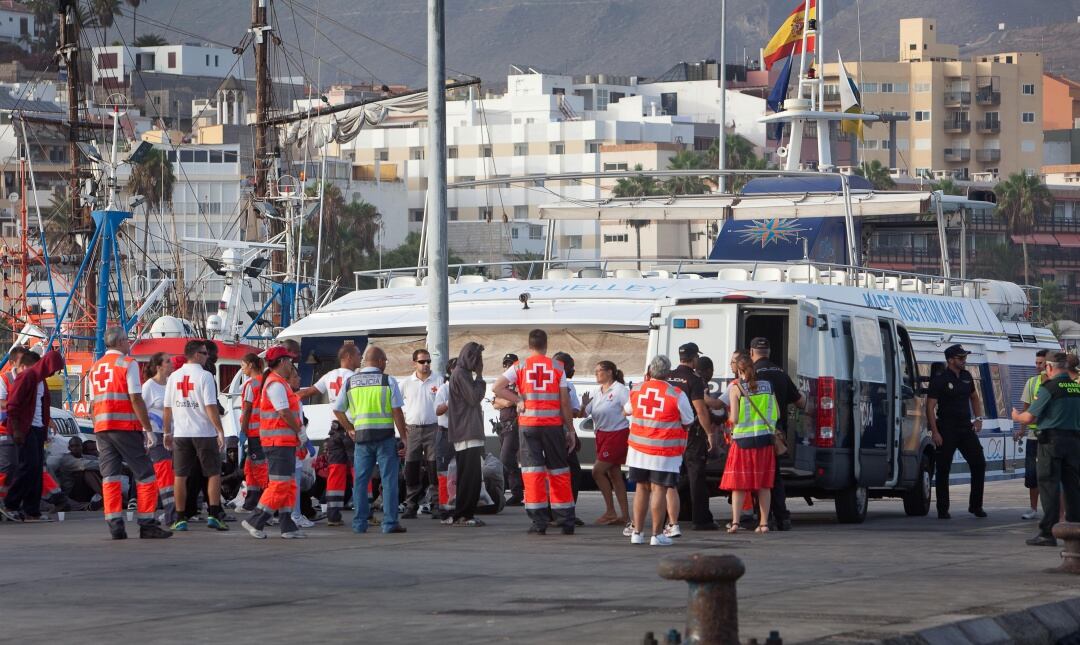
104 12
640 186
877 174
686 160
350 231
150 40
1021 199
134 19
738 152
948 187
153 178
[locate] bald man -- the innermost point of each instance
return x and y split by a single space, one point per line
370 410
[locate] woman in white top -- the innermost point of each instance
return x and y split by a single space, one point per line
612 434
153 389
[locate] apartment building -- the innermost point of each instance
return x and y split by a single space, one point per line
549 124
980 118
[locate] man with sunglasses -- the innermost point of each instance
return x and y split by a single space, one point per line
194 433
419 390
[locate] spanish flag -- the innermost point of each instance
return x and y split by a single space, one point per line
787 41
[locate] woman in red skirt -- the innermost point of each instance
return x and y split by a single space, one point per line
751 461
612 435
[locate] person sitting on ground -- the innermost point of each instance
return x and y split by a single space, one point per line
79 474
231 474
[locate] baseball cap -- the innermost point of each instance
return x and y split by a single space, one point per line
954 351
278 351
689 350
509 360
760 343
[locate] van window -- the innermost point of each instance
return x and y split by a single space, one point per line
907 358
1000 398
869 351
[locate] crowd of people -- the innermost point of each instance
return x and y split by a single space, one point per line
160 448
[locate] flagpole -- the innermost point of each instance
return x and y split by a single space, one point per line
722 146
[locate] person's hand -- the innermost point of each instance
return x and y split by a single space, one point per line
977 426
352 433
585 398
521 407
221 441
571 441
936 437
1019 434
168 441
149 439
1015 415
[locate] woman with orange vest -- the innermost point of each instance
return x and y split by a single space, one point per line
123 431
547 434
751 459
153 393
659 415
279 435
256 476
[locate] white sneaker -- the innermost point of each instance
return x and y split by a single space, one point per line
425 509
302 522
637 538
628 530
672 531
1033 514
294 535
660 540
254 532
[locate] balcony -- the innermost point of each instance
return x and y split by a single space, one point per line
988 97
988 155
957 98
957 126
988 127
957 155
832 97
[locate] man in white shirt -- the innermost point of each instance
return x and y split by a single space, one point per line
194 433
444 450
339 447
419 390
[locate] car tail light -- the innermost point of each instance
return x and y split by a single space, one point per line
826 413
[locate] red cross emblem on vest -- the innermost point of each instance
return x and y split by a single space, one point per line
335 386
650 403
185 386
102 376
540 376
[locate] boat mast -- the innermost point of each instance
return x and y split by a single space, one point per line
69 51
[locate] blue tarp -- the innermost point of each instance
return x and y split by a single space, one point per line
781 240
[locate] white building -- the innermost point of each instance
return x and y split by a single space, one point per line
17 24
547 124
111 67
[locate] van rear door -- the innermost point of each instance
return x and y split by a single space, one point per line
876 391
711 325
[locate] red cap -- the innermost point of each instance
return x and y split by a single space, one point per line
277 352
178 362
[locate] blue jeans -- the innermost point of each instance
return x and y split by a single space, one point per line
367 454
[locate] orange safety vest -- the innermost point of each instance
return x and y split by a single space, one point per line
253 384
111 402
9 381
656 426
538 379
273 432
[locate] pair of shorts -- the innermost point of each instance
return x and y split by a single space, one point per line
612 445
658 477
1031 472
189 450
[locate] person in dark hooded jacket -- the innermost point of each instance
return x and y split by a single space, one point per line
466 432
28 405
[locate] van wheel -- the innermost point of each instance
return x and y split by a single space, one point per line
917 500
851 505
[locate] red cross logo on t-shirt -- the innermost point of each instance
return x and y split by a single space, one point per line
185 386
540 376
102 377
335 386
650 403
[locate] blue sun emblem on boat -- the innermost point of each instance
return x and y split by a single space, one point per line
771 231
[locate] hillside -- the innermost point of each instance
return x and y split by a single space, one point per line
643 37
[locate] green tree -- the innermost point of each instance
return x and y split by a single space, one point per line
350 231
1021 200
102 14
153 179
997 262
150 40
877 174
134 4
639 186
688 185
738 152
948 187
1051 302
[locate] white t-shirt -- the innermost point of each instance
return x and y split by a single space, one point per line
512 374
188 392
442 397
607 409
420 398
248 391
277 394
575 400
153 394
39 420
333 384
4 395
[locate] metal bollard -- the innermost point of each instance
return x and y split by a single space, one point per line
1070 533
712 611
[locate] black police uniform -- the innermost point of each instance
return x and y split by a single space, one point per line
953 394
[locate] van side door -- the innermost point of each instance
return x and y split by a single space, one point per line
875 391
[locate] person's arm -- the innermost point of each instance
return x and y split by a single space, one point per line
215 420
345 423
305 392
1032 412
976 407
166 427
143 417
931 420
502 390
399 423
568 418
245 417
291 420
794 395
